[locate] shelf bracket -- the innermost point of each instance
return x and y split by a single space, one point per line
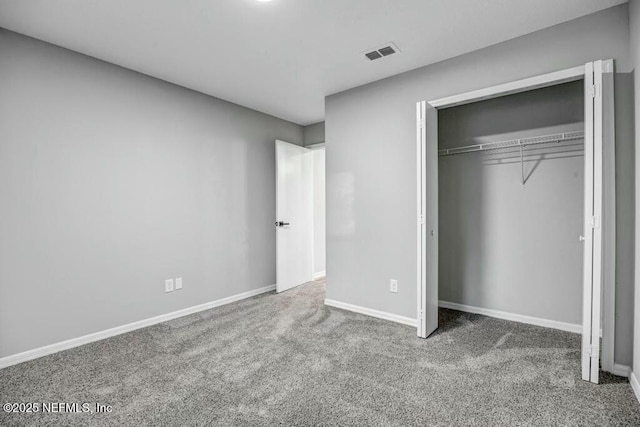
521 161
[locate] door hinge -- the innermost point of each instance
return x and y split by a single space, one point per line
595 221
421 220
593 351
595 90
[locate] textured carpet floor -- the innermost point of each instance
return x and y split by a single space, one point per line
289 360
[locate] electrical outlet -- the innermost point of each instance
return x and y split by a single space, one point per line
393 286
168 285
178 283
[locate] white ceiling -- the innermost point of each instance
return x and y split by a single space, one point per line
285 56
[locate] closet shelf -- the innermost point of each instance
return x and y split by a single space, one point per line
521 142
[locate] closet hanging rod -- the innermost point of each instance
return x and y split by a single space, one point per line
520 142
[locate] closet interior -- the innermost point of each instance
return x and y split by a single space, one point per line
511 195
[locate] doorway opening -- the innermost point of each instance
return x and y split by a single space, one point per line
319 212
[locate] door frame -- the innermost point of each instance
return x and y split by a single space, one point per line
607 293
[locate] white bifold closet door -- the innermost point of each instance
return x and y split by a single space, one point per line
427 119
598 123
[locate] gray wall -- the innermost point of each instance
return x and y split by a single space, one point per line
314 134
112 182
319 212
503 245
634 18
371 169
625 209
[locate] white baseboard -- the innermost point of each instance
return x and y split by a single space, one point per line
563 326
371 312
621 370
635 384
86 339
319 275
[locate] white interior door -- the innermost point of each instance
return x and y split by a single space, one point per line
593 238
294 216
427 154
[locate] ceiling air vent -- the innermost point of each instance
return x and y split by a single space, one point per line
373 55
380 52
387 50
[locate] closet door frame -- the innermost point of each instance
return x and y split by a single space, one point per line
599 225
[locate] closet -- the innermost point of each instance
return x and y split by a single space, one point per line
516 206
511 203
